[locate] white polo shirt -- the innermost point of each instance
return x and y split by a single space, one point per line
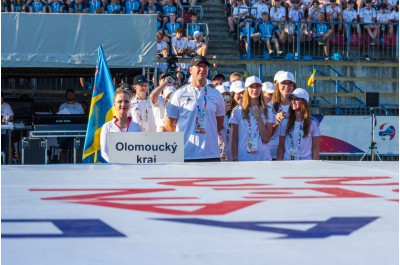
262 152
183 106
277 13
111 127
274 141
142 113
303 144
159 113
75 108
349 15
367 15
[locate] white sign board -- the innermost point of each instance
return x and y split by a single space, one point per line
145 148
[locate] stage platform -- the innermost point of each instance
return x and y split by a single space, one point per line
300 212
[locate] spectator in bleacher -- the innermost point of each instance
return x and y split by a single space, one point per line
141 110
163 67
334 13
350 16
56 7
193 26
197 110
171 27
167 9
113 7
37 6
368 15
95 6
133 7
238 14
394 18
296 14
196 46
322 34
178 44
18 6
267 31
161 44
4 6
152 5
314 10
278 13
249 31
120 123
224 137
300 132
251 125
261 8
7 115
78 6
383 18
391 4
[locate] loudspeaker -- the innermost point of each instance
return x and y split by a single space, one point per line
33 151
372 99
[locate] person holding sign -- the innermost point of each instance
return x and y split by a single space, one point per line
198 110
120 123
251 125
299 132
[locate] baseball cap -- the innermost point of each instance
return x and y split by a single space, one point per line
283 76
168 90
227 83
237 87
277 74
252 80
351 2
301 93
223 89
140 80
368 1
198 59
197 34
268 87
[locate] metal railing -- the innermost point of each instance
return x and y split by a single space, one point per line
343 45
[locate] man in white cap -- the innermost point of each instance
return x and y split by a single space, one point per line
198 111
196 46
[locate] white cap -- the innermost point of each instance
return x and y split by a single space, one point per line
252 80
237 87
301 93
227 83
197 34
223 89
209 82
268 87
285 76
277 74
168 90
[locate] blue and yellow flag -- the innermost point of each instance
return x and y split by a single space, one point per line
312 79
101 110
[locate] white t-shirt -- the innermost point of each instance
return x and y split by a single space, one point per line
66 108
224 139
302 146
111 127
349 15
277 13
192 45
239 10
381 17
329 10
314 16
159 113
296 14
367 15
260 9
274 140
394 15
6 110
178 44
161 45
142 113
244 133
184 106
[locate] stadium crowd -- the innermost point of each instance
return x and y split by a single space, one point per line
240 119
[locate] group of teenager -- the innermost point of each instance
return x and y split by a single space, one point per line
221 121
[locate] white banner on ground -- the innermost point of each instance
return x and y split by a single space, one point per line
145 148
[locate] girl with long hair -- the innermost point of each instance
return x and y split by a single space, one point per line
121 121
251 125
299 132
